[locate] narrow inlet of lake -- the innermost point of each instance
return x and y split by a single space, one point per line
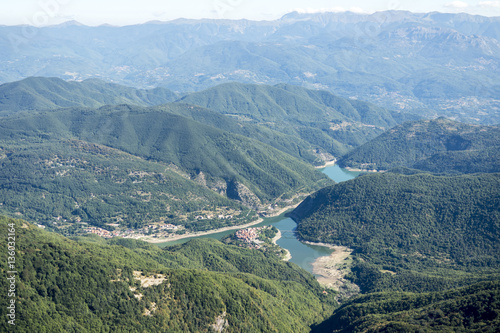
302 254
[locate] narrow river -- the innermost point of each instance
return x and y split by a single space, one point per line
302 254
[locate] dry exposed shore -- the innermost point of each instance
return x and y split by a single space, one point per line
331 274
327 164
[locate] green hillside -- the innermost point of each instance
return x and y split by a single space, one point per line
162 165
86 286
60 182
439 145
329 123
416 232
309 124
474 308
42 93
213 255
287 143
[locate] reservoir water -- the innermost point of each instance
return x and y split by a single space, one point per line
302 254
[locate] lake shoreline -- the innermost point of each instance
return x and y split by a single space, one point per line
288 255
151 240
200 233
362 170
327 164
278 215
329 270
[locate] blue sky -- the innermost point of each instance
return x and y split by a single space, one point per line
124 12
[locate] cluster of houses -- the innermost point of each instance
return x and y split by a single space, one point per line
99 231
249 235
165 226
208 217
129 232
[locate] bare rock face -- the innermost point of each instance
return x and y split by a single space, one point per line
220 187
200 179
220 323
238 191
232 189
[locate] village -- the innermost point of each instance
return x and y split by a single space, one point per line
255 238
160 230
250 236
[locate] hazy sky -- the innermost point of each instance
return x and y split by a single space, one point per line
123 12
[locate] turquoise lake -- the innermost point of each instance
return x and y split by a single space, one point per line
302 254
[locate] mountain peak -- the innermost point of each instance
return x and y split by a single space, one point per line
71 23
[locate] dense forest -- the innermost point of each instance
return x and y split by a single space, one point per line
425 250
51 181
439 145
474 308
89 285
332 124
128 165
429 231
43 93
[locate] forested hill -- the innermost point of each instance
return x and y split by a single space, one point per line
43 93
287 143
287 102
474 308
148 165
320 125
425 229
319 117
438 145
91 286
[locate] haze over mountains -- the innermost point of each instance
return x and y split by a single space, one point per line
215 123
444 64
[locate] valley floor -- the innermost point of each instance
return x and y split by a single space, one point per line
151 239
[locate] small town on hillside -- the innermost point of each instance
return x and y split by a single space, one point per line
162 230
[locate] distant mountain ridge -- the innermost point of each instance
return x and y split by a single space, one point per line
41 93
438 64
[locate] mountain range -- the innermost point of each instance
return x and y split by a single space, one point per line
432 63
168 128
133 164
319 123
241 145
